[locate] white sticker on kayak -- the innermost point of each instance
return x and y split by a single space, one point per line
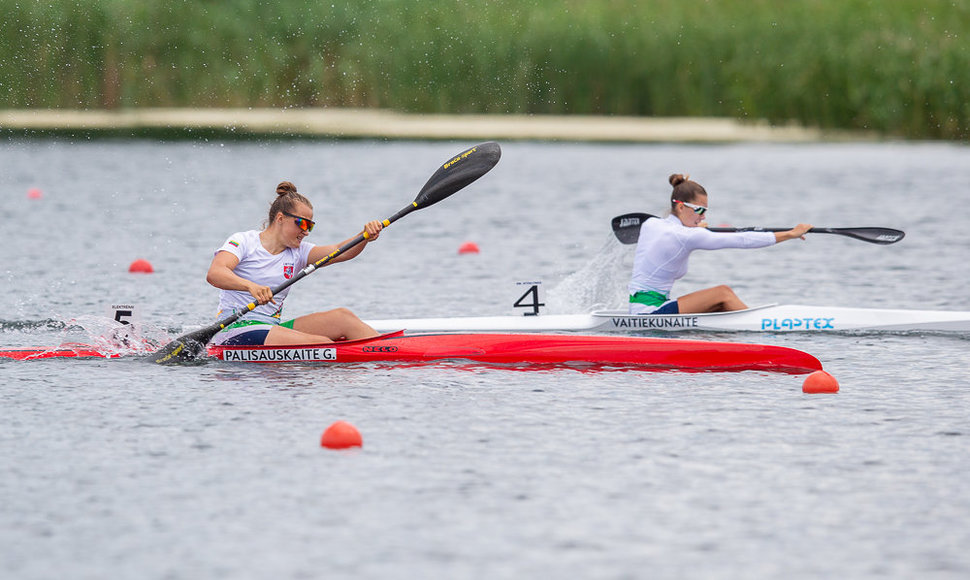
123 313
279 354
531 298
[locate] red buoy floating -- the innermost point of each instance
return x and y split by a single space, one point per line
140 266
820 382
468 248
34 193
341 435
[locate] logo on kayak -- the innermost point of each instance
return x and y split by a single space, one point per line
288 271
266 355
797 324
378 349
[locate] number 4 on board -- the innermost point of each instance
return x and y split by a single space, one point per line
534 304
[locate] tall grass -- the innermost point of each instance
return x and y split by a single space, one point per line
901 67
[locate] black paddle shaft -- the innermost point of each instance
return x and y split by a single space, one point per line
627 230
454 175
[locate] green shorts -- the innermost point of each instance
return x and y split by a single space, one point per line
649 298
247 332
242 323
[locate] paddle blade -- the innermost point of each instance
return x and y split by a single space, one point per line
882 236
627 226
191 346
457 172
181 350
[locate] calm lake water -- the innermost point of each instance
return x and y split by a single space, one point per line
123 469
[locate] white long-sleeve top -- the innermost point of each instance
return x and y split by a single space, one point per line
665 245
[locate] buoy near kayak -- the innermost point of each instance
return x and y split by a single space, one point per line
341 435
468 248
820 382
141 267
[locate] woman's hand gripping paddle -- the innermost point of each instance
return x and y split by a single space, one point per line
451 177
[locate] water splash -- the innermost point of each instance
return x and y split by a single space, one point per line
27 326
599 285
102 333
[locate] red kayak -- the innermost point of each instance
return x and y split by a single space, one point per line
541 349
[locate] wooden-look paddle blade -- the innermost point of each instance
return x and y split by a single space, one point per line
627 226
454 175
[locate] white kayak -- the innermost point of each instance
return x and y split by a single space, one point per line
767 318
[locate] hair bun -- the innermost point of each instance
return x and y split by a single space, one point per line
676 179
285 187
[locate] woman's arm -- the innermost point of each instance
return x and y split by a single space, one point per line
373 230
221 275
704 239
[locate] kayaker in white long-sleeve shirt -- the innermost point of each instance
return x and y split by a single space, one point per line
665 245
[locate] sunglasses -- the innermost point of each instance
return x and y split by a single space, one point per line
301 222
698 209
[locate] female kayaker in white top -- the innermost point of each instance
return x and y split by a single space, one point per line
665 245
249 264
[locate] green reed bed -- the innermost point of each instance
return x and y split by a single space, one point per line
901 67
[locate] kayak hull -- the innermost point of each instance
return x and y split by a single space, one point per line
545 349
768 318
497 348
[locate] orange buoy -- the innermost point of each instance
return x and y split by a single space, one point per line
34 193
341 435
820 382
468 248
141 267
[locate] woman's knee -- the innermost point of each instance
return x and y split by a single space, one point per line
342 314
725 292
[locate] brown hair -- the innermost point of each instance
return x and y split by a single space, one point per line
684 189
286 198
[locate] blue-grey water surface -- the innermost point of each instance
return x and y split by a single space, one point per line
124 469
